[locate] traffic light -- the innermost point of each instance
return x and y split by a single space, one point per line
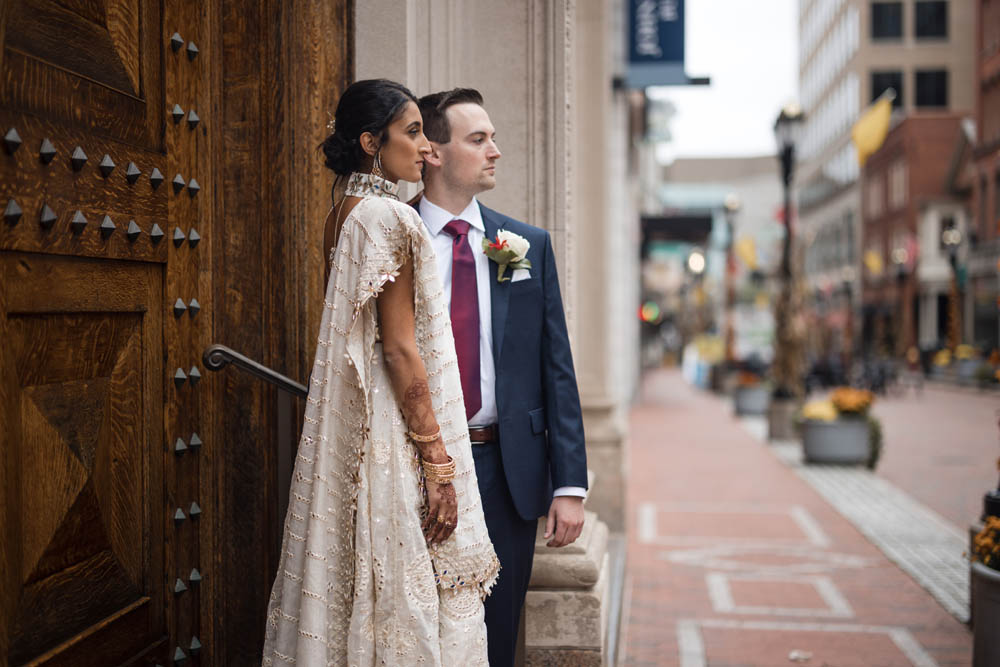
649 312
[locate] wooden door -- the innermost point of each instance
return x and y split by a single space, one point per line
102 173
140 516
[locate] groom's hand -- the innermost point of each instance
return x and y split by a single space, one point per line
565 521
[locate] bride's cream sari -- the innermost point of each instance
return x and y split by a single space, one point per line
357 584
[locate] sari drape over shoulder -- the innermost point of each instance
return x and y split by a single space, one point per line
356 583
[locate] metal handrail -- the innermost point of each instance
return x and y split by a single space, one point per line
217 357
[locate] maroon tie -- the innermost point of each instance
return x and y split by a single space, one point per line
465 314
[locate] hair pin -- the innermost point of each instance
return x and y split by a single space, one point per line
332 124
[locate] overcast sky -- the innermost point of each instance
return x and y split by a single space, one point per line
749 49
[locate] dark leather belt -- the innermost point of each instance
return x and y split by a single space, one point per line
484 435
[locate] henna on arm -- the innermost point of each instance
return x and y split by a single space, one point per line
403 363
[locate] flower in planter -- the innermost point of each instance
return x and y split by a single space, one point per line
748 379
824 411
850 401
942 358
965 351
986 544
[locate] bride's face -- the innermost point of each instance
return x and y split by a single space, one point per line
404 149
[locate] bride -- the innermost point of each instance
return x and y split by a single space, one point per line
385 555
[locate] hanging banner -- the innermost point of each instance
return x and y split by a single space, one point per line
655 43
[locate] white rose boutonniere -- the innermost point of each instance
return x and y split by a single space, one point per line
508 249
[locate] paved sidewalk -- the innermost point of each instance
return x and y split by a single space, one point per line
735 560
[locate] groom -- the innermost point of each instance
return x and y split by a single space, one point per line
514 358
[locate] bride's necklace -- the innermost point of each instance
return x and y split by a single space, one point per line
369 185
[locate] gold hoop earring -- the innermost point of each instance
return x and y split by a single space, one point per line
377 166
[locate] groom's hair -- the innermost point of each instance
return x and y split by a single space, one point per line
433 108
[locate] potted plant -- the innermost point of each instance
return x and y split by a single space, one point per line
751 396
966 363
985 580
841 429
941 363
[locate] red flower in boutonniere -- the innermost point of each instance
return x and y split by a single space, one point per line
509 249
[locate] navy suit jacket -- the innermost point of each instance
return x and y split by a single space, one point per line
541 426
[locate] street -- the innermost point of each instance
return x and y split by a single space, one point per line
942 448
734 559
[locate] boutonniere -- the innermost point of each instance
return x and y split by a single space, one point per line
508 249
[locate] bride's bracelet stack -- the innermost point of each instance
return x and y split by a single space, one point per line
439 473
424 439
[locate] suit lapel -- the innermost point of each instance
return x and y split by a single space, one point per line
499 292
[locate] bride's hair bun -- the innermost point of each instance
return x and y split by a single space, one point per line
366 106
341 153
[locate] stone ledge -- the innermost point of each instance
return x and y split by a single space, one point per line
577 565
563 658
567 620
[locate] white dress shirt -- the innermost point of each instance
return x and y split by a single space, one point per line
435 218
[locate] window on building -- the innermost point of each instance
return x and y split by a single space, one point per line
887 20
897 185
875 197
884 80
849 226
994 229
982 222
932 88
931 19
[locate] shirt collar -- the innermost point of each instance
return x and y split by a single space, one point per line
435 217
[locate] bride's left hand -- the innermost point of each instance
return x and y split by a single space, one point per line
442 512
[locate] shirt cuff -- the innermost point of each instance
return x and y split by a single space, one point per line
577 491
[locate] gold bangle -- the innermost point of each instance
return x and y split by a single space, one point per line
439 473
440 481
424 439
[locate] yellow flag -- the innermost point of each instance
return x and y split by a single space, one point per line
870 130
873 262
746 250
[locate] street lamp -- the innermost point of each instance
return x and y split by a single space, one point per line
900 257
787 353
731 206
951 239
696 262
787 128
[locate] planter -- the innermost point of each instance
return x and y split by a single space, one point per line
781 418
717 378
986 602
843 441
752 400
966 370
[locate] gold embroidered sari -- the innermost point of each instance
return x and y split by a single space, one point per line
357 584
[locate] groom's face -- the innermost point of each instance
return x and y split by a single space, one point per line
468 161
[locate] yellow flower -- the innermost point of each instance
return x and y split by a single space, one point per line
823 411
965 352
847 399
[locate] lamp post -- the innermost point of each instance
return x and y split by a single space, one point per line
899 259
788 353
951 239
731 206
847 275
696 264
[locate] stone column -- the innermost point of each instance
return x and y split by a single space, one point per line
523 57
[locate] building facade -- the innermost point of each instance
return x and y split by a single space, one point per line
904 191
984 253
850 52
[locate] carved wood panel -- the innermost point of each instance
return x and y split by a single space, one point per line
80 401
94 65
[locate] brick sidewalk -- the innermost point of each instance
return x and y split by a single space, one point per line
733 560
